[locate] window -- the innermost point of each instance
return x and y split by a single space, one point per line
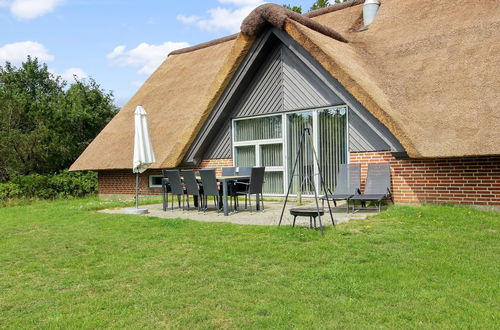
274 141
261 128
259 142
155 181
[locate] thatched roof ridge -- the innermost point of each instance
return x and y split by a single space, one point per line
204 45
270 14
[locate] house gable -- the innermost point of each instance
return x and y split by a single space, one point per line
278 75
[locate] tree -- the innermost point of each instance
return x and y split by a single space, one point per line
44 125
297 9
322 4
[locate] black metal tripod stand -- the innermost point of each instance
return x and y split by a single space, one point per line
307 143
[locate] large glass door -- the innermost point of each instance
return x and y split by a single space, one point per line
332 143
304 173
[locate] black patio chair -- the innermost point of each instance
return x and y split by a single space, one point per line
253 187
378 185
192 187
165 189
246 171
348 184
210 188
228 171
175 183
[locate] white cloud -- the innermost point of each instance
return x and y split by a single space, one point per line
18 51
188 19
145 56
223 18
4 3
29 9
116 52
69 74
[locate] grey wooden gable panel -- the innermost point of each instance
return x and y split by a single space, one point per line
362 137
303 89
289 78
265 93
220 148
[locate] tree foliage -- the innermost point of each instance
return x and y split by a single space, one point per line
297 9
44 123
320 4
316 5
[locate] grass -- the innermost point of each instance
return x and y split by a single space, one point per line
63 265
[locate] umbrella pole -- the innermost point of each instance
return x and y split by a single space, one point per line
137 190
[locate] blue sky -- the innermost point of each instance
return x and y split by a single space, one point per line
118 43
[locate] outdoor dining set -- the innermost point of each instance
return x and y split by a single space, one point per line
225 189
204 183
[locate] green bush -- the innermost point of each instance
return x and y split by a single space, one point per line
75 184
9 190
63 184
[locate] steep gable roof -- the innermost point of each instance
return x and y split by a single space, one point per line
429 70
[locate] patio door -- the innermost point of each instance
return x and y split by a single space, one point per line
328 129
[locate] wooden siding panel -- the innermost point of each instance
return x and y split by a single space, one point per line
264 95
220 148
302 89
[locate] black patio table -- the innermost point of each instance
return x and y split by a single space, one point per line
225 181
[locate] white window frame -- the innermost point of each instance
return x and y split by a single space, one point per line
150 179
284 141
258 144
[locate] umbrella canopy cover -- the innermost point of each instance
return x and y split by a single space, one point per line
143 148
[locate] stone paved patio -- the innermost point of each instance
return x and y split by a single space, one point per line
269 217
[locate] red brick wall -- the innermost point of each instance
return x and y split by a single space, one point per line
459 180
122 182
455 180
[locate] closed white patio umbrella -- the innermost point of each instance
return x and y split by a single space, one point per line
143 152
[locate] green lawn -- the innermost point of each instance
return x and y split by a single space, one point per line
63 265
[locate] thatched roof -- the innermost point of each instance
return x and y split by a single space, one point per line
429 70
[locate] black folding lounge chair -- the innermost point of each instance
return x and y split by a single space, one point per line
348 184
378 185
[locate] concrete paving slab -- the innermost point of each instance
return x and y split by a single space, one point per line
269 217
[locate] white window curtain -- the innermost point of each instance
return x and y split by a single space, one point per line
332 143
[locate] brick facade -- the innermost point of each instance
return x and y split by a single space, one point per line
454 180
122 182
458 180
